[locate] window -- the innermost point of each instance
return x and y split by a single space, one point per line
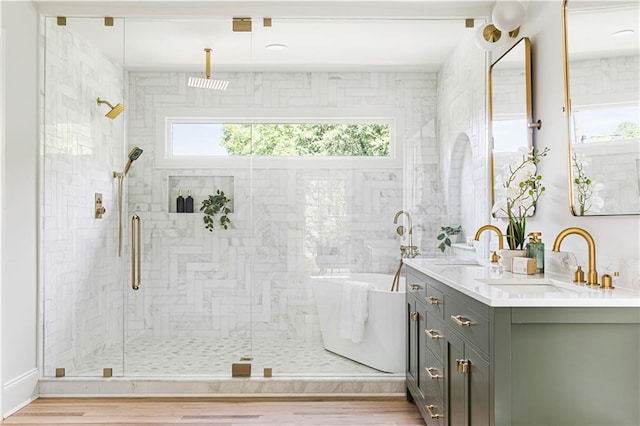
509 133
320 141
606 123
279 139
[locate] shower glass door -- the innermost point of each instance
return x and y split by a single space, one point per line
81 271
191 315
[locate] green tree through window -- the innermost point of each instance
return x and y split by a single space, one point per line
307 139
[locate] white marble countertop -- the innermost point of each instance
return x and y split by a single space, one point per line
540 290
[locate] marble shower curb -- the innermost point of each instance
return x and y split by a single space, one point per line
223 387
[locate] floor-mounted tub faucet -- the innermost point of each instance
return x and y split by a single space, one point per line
410 251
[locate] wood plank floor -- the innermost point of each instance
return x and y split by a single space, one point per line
218 411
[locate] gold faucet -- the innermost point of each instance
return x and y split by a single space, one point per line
592 274
411 250
494 256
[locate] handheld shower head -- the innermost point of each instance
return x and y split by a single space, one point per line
133 156
115 110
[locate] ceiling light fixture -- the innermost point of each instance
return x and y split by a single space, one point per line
507 15
621 33
276 46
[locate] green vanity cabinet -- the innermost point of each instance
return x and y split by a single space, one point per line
416 316
415 343
473 364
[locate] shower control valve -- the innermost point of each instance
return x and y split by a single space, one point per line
100 210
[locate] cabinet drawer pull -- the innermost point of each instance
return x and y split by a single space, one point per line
432 376
414 316
433 416
461 321
433 300
414 287
433 334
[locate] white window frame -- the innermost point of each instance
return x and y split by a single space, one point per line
164 118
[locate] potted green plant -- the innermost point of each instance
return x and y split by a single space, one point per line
213 205
446 232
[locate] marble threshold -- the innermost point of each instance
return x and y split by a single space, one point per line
355 386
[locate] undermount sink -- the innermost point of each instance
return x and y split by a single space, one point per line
533 285
456 261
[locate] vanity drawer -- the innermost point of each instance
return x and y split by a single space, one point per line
435 301
435 336
434 375
435 411
416 286
467 322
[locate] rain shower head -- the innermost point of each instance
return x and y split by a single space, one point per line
133 156
115 110
207 83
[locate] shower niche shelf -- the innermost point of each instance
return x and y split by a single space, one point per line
201 186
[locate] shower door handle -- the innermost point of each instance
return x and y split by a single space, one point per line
136 252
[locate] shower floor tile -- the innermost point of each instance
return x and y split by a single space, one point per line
212 357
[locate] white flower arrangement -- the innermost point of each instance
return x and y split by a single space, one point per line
585 190
517 189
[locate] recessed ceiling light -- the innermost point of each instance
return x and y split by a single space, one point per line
622 33
276 46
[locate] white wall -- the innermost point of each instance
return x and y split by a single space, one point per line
617 237
19 208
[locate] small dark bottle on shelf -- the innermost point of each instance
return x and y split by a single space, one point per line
180 203
188 203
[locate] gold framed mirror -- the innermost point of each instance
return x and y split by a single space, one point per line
510 111
602 106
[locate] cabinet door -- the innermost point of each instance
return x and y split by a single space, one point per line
457 384
412 341
478 385
468 392
421 347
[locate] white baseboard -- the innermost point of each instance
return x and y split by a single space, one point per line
19 392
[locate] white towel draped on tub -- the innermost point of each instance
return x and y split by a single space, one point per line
354 310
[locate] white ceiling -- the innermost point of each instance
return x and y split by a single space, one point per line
590 31
379 34
318 44
398 34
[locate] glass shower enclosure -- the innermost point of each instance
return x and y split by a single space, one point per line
315 157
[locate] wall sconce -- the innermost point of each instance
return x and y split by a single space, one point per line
507 16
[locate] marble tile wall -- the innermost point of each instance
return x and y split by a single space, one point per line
608 79
82 277
508 93
463 141
287 223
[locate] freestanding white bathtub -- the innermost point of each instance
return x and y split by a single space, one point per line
383 343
